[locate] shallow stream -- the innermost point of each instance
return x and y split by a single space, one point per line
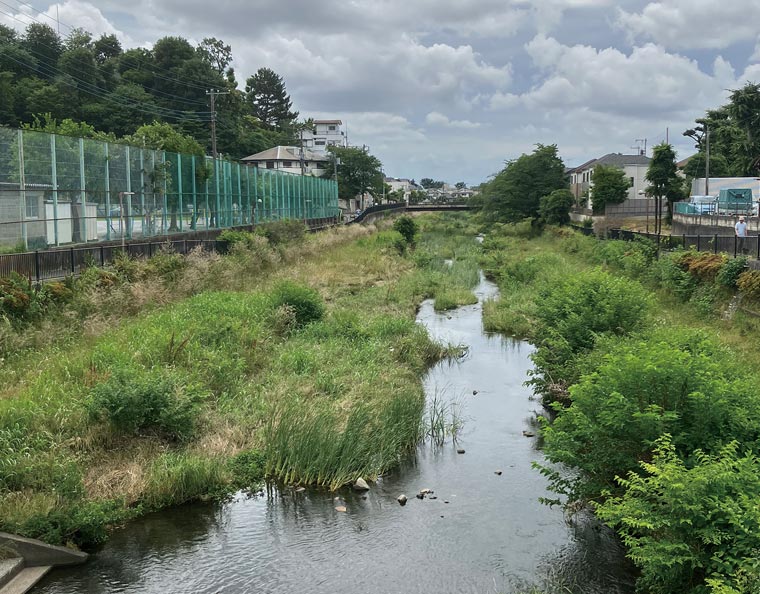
478 532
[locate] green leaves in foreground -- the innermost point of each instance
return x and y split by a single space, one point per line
684 525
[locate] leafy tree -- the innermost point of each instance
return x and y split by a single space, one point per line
77 39
610 187
106 47
514 194
554 209
744 108
358 172
42 42
695 167
407 227
216 53
460 185
431 184
268 100
664 181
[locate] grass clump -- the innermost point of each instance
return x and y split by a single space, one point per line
306 304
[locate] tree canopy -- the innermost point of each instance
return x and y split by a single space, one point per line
664 181
515 193
117 90
359 172
610 187
268 100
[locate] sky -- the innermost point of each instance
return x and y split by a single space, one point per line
452 89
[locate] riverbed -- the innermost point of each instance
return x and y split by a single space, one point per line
482 529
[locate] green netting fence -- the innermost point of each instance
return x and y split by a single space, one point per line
59 190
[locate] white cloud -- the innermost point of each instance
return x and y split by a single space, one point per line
438 119
691 24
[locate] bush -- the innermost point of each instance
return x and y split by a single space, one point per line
248 469
133 402
749 284
673 278
678 383
729 273
19 299
407 228
282 232
306 303
573 315
554 209
686 526
702 265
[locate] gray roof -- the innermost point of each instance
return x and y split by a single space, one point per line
614 159
286 153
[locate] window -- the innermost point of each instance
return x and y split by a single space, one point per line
270 164
319 142
331 128
631 181
32 207
287 164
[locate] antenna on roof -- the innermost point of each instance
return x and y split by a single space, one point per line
638 147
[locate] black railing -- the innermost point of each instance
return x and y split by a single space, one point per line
724 244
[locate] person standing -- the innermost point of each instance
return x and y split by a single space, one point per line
741 232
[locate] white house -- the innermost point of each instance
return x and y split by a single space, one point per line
405 185
634 166
291 159
325 133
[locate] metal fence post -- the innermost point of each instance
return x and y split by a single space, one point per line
715 243
698 242
102 256
37 265
54 174
71 256
735 242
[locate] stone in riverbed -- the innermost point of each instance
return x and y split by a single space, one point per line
361 485
300 489
401 499
497 472
340 508
460 450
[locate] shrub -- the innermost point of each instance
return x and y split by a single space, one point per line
685 527
306 303
573 314
19 299
673 278
282 232
704 266
133 402
233 236
554 209
407 228
729 273
248 469
679 383
749 284
166 264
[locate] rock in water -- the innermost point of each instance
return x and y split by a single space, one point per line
420 496
361 485
401 499
300 489
528 433
340 508
460 451
497 472
474 392
425 491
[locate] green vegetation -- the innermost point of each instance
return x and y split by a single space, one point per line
654 395
610 187
182 378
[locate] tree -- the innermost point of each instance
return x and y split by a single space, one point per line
42 42
514 194
431 184
610 187
554 209
107 47
460 186
664 181
358 173
744 108
216 53
268 100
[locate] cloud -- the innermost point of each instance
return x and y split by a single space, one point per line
438 119
693 24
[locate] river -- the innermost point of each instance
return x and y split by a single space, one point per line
478 532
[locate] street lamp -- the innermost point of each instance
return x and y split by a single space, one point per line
121 216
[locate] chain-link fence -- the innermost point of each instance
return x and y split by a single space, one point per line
59 190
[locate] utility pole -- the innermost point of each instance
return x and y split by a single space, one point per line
707 162
213 93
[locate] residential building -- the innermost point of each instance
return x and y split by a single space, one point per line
634 166
324 133
403 184
290 159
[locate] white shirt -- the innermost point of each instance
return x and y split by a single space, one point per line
741 229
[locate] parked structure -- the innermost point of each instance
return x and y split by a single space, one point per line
325 133
290 159
634 166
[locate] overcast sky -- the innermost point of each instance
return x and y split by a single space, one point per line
450 89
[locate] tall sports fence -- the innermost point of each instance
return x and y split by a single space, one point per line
60 190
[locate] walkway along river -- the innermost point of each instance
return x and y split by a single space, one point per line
478 532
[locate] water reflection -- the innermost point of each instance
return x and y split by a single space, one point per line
479 532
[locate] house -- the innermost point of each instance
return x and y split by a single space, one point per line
634 166
290 159
324 133
405 185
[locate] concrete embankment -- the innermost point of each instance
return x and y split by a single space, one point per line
24 561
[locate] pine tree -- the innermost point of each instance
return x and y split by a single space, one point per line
268 100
